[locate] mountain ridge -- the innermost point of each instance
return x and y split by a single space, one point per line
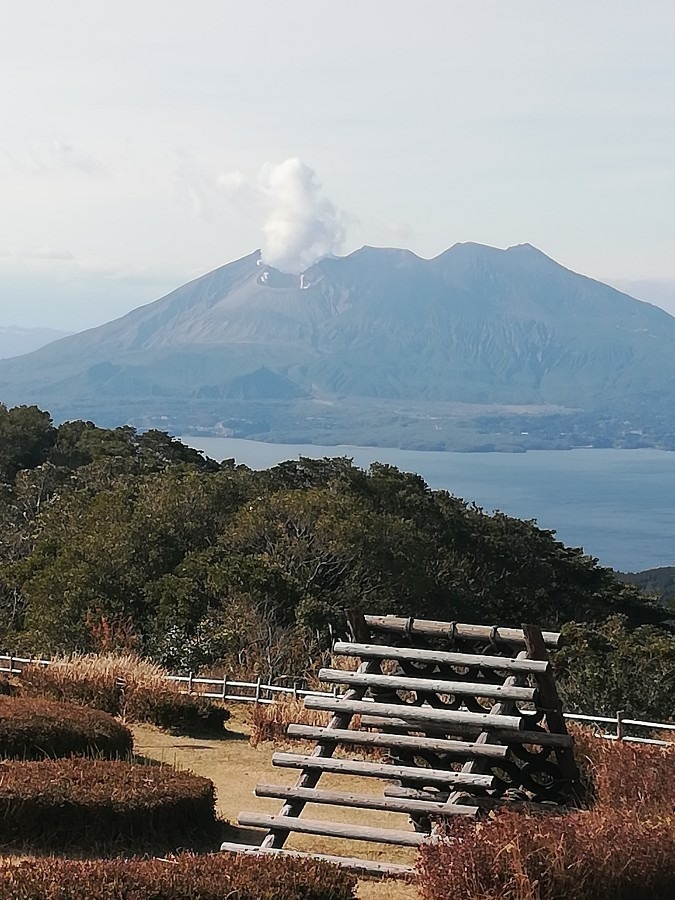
475 324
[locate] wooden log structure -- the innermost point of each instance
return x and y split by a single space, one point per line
380 770
353 863
332 829
461 749
386 803
536 738
426 704
439 799
443 658
455 631
423 715
427 685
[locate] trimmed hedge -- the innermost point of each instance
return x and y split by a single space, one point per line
126 687
91 802
173 711
217 877
37 728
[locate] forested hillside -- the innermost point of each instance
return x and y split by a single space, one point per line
114 539
659 583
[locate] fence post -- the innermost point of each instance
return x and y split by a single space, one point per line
190 683
224 686
11 664
619 724
257 691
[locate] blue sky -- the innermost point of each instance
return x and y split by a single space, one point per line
144 143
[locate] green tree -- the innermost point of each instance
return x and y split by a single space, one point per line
26 437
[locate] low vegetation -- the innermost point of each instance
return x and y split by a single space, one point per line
36 728
124 685
87 803
622 848
270 720
219 877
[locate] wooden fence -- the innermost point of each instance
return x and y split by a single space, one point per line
260 692
214 688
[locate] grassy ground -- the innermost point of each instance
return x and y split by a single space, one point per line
235 768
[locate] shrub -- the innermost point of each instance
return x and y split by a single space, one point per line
84 802
620 849
37 728
183 713
216 877
125 685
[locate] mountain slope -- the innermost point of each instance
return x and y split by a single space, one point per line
473 325
17 341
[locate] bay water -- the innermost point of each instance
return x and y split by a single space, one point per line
619 505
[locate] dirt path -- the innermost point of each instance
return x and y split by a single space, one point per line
235 767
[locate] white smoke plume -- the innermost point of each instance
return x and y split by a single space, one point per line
300 225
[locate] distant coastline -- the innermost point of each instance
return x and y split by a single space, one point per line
615 504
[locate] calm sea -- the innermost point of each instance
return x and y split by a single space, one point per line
619 505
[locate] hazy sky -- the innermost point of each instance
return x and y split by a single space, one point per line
143 143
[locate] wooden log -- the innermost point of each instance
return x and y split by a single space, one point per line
427 685
354 864
508 736
403 726
550 701
430 628
397 791
473 802
442 657
332 829
424 715
361 801
462 749
378 770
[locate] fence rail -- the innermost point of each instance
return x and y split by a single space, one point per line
259 692
223 688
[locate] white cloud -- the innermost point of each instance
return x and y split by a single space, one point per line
300 225
55 156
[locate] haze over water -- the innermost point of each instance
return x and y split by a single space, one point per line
616 504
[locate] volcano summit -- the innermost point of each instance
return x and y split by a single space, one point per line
378 347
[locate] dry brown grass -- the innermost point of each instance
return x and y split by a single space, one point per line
270 720
621 848
136 673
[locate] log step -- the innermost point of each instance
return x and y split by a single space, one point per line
455 630
442 658
374 770
332 829
363 801
427 685
424 715
354 864
509 736
461 749
395 791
